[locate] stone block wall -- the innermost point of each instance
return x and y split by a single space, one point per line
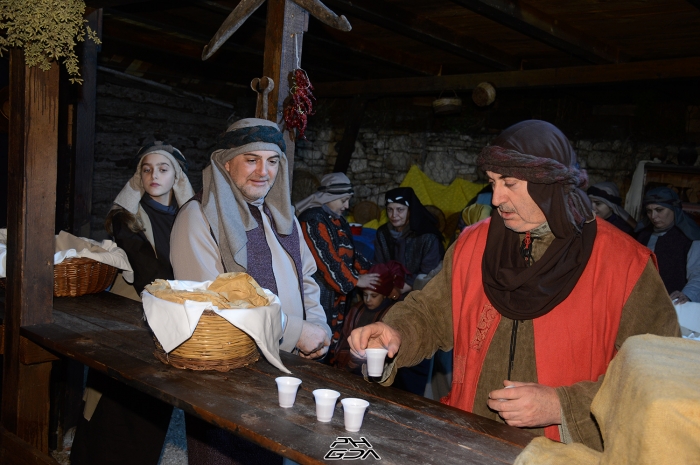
382 158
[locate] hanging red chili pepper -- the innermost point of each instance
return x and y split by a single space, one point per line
299 106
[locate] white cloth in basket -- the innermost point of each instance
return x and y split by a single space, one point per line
174 323
70 246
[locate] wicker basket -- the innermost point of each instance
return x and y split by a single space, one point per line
215 345
79 276
74 277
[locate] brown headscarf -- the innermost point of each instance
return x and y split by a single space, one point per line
539 153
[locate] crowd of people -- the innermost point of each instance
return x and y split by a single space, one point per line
534 297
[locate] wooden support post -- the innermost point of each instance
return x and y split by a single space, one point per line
81 200
284 34
30 245
352 127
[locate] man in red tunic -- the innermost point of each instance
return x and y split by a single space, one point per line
535 301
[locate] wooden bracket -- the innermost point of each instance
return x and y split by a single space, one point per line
29 352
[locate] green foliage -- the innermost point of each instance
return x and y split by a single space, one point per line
47 30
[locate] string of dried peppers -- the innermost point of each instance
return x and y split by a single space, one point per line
299 107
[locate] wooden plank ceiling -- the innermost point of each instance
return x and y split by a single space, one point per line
413 46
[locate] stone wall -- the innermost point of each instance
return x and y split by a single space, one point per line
382 158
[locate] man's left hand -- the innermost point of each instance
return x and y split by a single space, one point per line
677 297
313 342
526 404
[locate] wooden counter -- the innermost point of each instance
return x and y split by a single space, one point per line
107 333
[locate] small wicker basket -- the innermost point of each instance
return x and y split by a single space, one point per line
215 345
78 276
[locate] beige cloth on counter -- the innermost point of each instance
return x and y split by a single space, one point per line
648 409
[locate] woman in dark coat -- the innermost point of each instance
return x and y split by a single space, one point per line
121 424
675 239
412 238
607 204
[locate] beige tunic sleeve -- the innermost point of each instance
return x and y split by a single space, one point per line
648 310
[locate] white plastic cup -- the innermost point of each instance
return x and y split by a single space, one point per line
507 387
325 403
287 388
354 411
375 361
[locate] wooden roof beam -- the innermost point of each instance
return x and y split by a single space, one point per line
111 3
575 75
545 28
179 38
425 31
380 52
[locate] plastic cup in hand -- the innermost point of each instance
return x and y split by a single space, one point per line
287 389
354 411
507 387
325 403
375 361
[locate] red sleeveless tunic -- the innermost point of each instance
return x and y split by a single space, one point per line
573 342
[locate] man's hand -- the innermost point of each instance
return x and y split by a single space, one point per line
368 280
313 342
677 297
526 404
374 335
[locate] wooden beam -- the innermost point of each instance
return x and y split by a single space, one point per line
346 147
149 6
381 52
96 4
145 39
575 75
423 30
284 36
81 198
545 28
33 147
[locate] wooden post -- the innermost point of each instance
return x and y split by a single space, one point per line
352 127
30 248
284 34
81 200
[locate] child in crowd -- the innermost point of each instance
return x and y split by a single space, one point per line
120 424
377 300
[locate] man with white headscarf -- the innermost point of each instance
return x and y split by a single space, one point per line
341 266
244 222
